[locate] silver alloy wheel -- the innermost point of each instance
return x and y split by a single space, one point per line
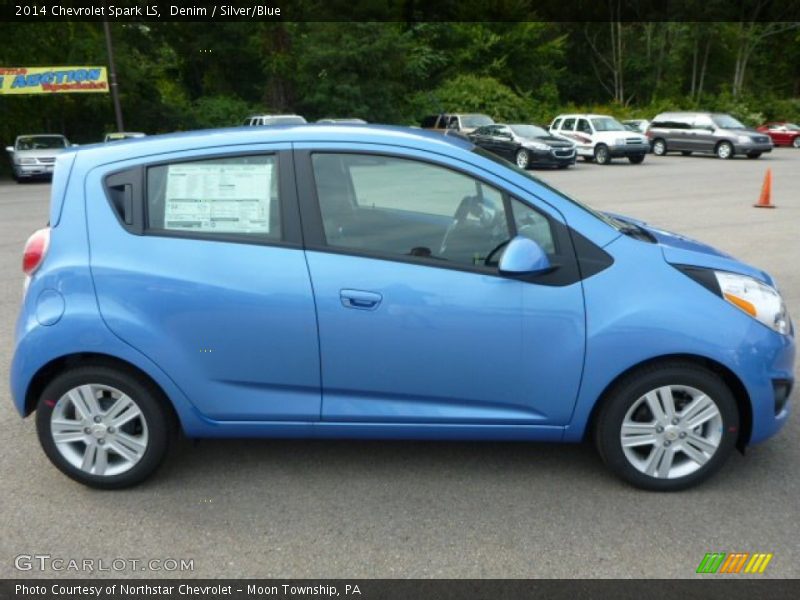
601 155
99 430
523 159
671 431
725 150
659 148
796 142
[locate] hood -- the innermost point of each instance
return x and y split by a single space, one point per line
550 140
681 250
44 153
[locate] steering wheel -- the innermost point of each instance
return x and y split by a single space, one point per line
464 208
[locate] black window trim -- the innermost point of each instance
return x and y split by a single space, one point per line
314 232
291 229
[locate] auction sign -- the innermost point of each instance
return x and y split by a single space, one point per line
53 80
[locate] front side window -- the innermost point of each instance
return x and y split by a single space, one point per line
583 126
400 207
703 122
569 125
228 196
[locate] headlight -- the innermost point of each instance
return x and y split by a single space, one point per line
760 301
744 139
26 161
619 142
538 146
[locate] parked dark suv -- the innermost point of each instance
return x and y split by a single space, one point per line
716 133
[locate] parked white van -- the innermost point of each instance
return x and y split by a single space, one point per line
601 138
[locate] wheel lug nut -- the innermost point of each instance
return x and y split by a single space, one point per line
675 421
659 429
97 419
87 430
682 434
667 443
101 441
110 430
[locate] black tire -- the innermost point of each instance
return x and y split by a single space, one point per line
601 154
754 154
629 390
686 152
523 159
724 150
150 401
659 147
636 160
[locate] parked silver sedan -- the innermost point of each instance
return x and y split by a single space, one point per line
34 156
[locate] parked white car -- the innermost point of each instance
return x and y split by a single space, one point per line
34 156
601 138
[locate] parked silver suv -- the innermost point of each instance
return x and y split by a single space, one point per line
716 133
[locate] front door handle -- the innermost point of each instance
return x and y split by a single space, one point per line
360 299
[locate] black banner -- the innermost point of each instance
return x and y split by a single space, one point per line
711 588
398 10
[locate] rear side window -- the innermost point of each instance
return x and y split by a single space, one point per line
569 124
221 196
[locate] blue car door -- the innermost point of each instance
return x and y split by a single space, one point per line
415 323
198 263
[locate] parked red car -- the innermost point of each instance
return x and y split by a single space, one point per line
782 133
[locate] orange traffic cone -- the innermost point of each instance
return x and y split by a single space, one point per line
765 200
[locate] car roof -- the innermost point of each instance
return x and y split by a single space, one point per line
273 116
582 116
211 138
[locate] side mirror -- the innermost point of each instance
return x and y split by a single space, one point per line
9 148
523 256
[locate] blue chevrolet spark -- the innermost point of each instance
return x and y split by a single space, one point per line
377 282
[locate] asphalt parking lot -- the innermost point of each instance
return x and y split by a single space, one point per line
395 509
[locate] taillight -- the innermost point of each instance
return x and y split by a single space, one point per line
35 250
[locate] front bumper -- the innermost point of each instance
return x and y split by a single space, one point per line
747 148
33 171
629 150
553 157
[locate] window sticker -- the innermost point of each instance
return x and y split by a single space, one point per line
223 198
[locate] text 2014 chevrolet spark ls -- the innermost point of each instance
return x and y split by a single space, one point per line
384 283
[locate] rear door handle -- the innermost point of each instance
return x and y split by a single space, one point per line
360 299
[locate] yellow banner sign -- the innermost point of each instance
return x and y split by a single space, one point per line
53 80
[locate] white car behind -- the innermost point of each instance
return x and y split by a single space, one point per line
601 138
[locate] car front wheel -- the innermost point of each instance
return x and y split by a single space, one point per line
724 150
523 159
796 142
103 427
602 155
667 427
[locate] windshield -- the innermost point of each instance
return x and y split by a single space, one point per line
607 124
529 131
726 122
41 142
618 225
476 120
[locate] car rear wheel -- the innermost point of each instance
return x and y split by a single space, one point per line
724 150
636 160
659 147
667 427
796 142
103 427
602 155
523 159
